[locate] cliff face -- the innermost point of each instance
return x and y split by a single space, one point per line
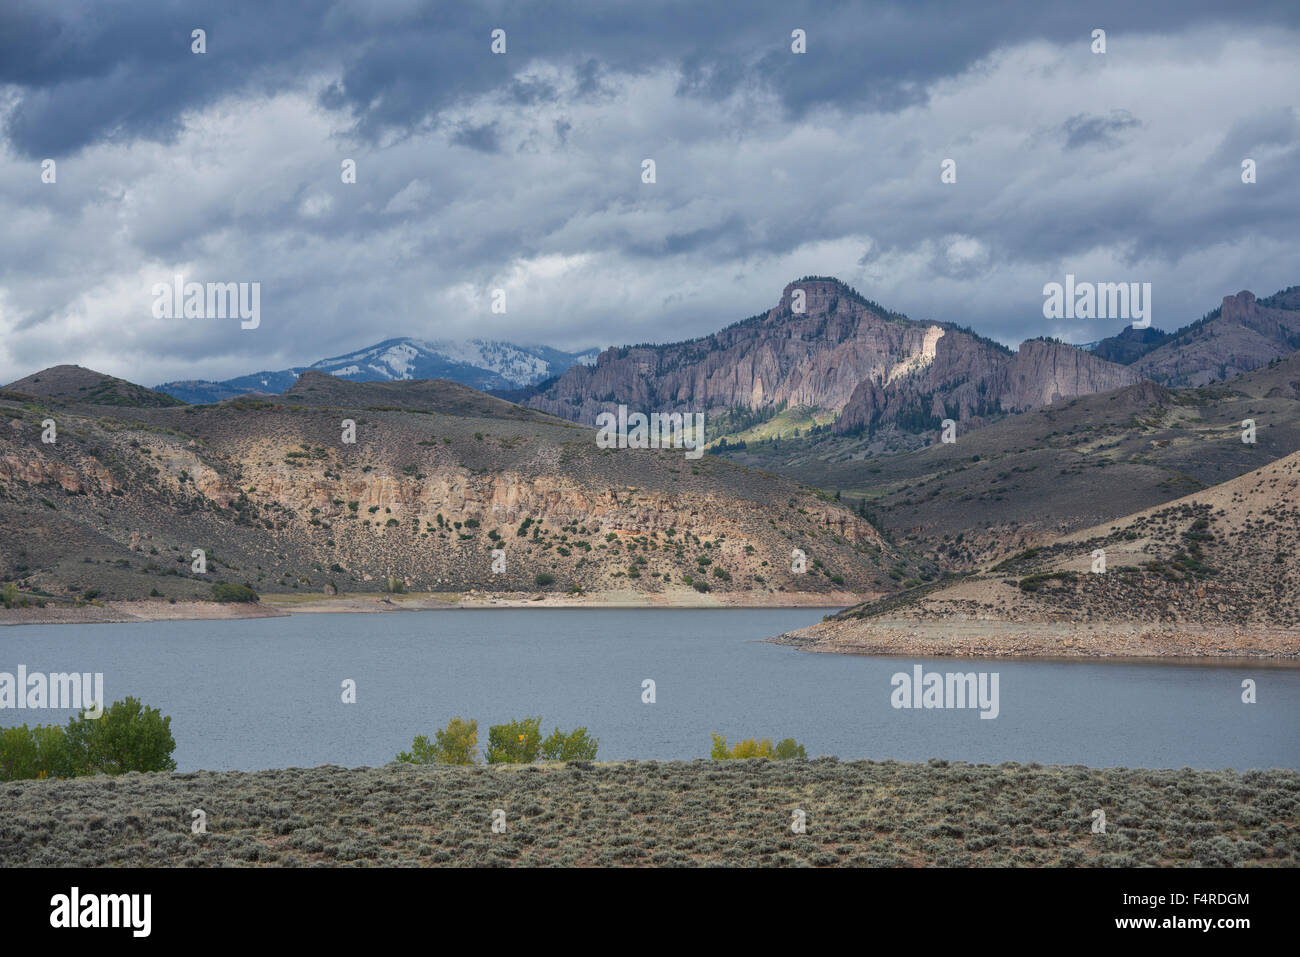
968 382
1244 336
1045 372
954 383
815 358
843 354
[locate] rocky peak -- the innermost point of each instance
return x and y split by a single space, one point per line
820 296
1239 307
815 357
1245 335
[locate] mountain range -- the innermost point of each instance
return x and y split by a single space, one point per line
1052 439
1029 477
1242 334
846 362
825 348
482 364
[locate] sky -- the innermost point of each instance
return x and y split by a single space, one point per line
522 171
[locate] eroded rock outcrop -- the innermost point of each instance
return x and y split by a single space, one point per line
1246 335
1044 372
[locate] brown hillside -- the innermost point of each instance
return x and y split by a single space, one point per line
1214 573
439 477
1030 478
77 385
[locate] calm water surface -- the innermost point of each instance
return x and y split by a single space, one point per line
266 693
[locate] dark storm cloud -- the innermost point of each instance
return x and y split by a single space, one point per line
1082 130
482 138
707 237
92 70
531 91
522 171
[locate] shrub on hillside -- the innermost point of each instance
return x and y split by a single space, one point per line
577 745
458 744
755 748
226 591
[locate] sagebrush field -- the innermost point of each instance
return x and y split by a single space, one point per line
727 813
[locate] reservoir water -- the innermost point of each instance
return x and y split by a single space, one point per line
262 693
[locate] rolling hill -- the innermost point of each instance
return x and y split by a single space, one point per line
1028 478
1215 573
439 476
77 385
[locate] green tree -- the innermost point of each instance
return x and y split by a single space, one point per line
38 752
458 744
577 745
18 760
789 748
517 742
755 748
128 737
422 752
54 760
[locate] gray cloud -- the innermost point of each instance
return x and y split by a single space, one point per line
1084 130
522 171
88 74
482 138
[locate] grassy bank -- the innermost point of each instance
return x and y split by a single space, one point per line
666 814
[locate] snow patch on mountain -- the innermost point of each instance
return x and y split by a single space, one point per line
480 363
518 366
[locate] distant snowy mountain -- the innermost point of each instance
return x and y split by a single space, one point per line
481 363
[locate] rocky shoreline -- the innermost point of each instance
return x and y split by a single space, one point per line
986 638
276 606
